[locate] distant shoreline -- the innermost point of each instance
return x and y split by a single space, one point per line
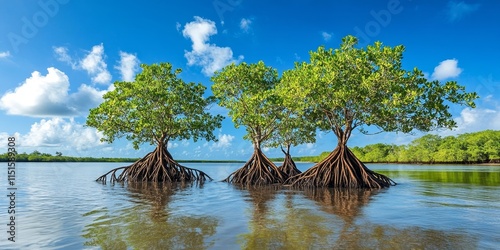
127 160
305 159
118 160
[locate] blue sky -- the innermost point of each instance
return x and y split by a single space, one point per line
58 57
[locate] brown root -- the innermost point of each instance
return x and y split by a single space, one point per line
289 167
259 170
157 166
340 169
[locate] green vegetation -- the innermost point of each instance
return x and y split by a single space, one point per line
292 130
247 91
349 88
156 108
487 177
468 148
479 147
336 91
36 156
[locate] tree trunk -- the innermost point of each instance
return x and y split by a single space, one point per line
259 170
156 166
289 167
340 169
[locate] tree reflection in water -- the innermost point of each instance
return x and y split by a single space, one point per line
287 227
356 233
284 220
150 224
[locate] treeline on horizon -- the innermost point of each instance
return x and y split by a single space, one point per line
468 148
37 156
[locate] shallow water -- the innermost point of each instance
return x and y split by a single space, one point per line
59 206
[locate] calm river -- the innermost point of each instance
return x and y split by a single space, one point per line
59 206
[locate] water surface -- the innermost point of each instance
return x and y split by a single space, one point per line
59 206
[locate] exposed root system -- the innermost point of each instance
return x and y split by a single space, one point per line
259 170
341 169
157 166
289 167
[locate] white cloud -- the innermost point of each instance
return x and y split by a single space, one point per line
326 36
446 69
63 56
209 56
93 63
171 145
473 120
5 136
95 66
87 97
223 142
457 10
62 133
245 24
4 54
47 96
129 65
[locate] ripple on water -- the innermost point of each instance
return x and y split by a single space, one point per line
61 207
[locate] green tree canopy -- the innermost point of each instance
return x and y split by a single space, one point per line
247 91
349 88
157 107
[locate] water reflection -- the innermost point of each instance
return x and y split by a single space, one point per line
284 220
282 224
347 204
357 233
149 223
485 177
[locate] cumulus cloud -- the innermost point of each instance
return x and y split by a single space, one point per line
446 69
94 63
4 54
245 24
457 10
472 120
63 56
326 36
62 133
47 96
209 56
129 65
95 66
223 142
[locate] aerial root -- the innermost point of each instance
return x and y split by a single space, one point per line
289 167
340 169
259 170
157 166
